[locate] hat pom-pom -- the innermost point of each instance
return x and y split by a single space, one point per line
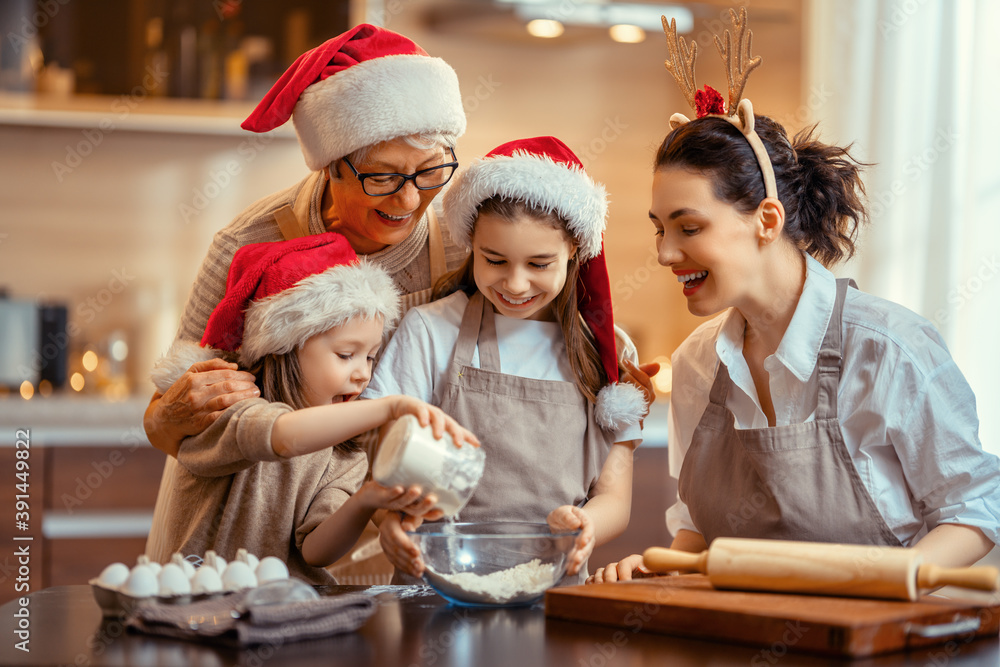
181 355
619 405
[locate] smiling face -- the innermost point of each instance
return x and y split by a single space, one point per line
520 265
372 223
337 364
711 247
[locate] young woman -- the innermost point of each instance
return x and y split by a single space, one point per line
277 478
808 409
523 350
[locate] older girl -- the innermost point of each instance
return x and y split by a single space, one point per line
523 350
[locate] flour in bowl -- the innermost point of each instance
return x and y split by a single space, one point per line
521 581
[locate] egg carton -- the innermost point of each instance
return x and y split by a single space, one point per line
120 590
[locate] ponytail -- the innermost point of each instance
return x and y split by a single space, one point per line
819 185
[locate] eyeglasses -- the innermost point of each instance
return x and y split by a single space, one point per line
380 185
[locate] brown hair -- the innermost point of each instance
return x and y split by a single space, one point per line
819 185
279 378
584 358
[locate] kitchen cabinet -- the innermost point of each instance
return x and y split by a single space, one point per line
92 483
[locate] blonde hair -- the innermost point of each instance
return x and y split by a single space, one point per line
584 358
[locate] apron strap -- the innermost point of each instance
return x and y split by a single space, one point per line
436 247
293 219
720 387
468 333
288 223
489 349
830 356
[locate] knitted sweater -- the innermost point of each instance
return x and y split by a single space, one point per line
408 262
230 490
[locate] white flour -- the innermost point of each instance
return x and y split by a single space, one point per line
524 580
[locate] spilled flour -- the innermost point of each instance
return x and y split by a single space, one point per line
517 583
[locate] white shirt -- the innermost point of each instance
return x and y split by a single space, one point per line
907 415
417 356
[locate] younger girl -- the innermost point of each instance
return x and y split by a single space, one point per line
523 350
808 409
307 320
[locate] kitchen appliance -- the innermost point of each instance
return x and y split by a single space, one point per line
33 343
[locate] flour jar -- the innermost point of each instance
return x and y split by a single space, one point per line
410 454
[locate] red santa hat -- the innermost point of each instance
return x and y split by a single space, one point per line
545 173
278 295
360 88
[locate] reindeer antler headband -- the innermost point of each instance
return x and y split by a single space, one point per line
708 101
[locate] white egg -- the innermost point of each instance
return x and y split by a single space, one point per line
238 576
185 565
113 576
214 560
271 569
173 580
141 582
152 564
248 558
206 580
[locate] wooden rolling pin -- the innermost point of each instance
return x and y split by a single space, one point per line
851 570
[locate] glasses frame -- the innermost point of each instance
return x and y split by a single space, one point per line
406 177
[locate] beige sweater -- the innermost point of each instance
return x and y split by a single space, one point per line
230 490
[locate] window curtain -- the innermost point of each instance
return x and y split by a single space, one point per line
913 84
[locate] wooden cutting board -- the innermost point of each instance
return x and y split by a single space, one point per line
688 606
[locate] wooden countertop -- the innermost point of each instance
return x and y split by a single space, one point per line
70 420
410 628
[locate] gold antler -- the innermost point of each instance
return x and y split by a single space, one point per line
738 64
681 62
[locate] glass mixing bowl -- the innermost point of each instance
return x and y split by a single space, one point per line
492 563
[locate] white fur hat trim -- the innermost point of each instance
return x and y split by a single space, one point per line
374 101
619 405
282 322
537 179
181 355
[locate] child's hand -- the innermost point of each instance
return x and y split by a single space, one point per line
375 496
570 517
627 568
438 420
398 548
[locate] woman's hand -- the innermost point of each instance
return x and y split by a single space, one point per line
627 568
435 417
398 548
194 401
399 499
570 517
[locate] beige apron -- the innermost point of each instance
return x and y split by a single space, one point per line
543 446
794 482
